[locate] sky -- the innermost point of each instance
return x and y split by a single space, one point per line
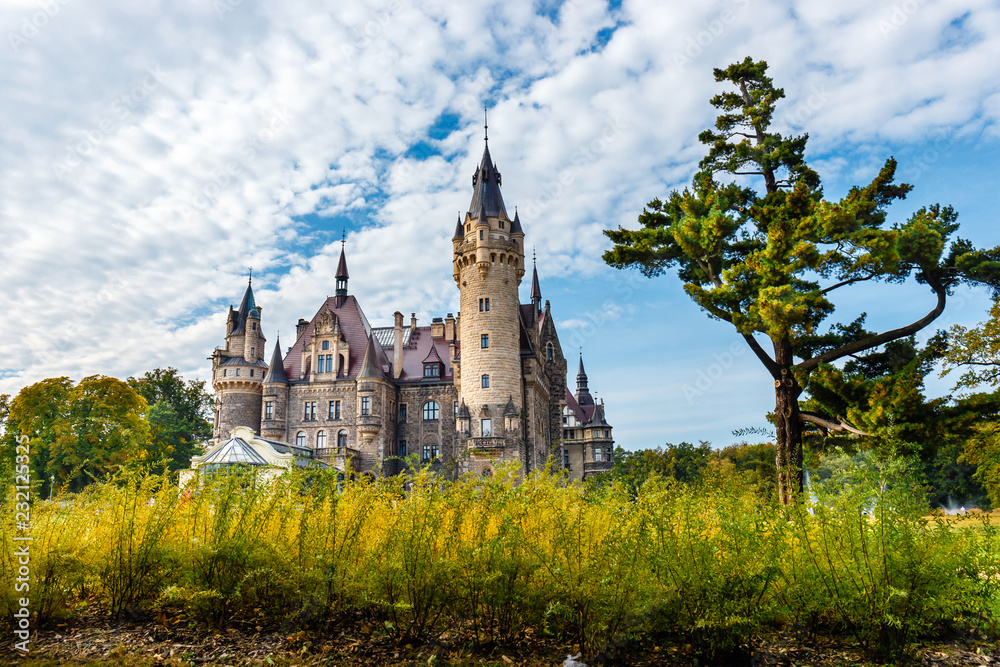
150 152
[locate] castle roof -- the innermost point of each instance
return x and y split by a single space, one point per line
246 305
486 189
355 329
583 413
515 224
459 228
536 291
276 369
370 368
342 265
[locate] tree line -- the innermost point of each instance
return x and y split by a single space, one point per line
82 431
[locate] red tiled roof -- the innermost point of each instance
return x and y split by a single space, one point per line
354 327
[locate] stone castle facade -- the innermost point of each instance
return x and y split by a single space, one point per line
461 394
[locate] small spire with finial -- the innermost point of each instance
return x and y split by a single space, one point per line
486 126
343 238
250 280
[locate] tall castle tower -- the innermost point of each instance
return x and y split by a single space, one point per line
238 369
488 267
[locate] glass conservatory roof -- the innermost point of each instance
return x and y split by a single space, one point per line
235 450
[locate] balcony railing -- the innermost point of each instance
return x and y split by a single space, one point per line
598 466
335 456
486 443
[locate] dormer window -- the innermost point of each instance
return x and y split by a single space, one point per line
501 224
432 370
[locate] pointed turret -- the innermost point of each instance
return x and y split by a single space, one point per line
239 320
536 291
583 396
342 277
487 188
370 367
459 229
276 370
515 225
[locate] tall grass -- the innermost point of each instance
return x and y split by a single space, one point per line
492 560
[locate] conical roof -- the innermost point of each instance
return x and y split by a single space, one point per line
536 291
510 409
515 225
486 188
463 411
459 228
276 370
342 266
583 396
246 305
370 367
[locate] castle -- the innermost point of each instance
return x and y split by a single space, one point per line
467 391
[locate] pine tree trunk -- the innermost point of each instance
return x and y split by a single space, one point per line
788 426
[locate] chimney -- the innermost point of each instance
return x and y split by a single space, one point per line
449 327
300 327
413 324
397 346
437 328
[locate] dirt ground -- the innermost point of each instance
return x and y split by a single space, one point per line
93 640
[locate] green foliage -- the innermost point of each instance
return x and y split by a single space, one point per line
868 560
768 261
177 416
977 349
705 564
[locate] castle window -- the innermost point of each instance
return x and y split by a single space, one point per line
252 351
430 411
224 371
486 427
326 345
486 382
456 409
501 224
598 454
253 326
366 405
251 372
321 440
268 409
565 458
432 370
480 235
487 304
484 305
342 439
430 452
468 227
402 447
237 372
484 340
402 412
300 439
309 412
548 351
333 410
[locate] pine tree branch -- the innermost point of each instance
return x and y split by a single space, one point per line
827 425
880 339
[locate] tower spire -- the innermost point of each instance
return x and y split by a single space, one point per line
342 275
536 291
486 127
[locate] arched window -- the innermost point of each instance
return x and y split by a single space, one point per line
548 351
321 439
486 381
342 439
431 411
300 438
